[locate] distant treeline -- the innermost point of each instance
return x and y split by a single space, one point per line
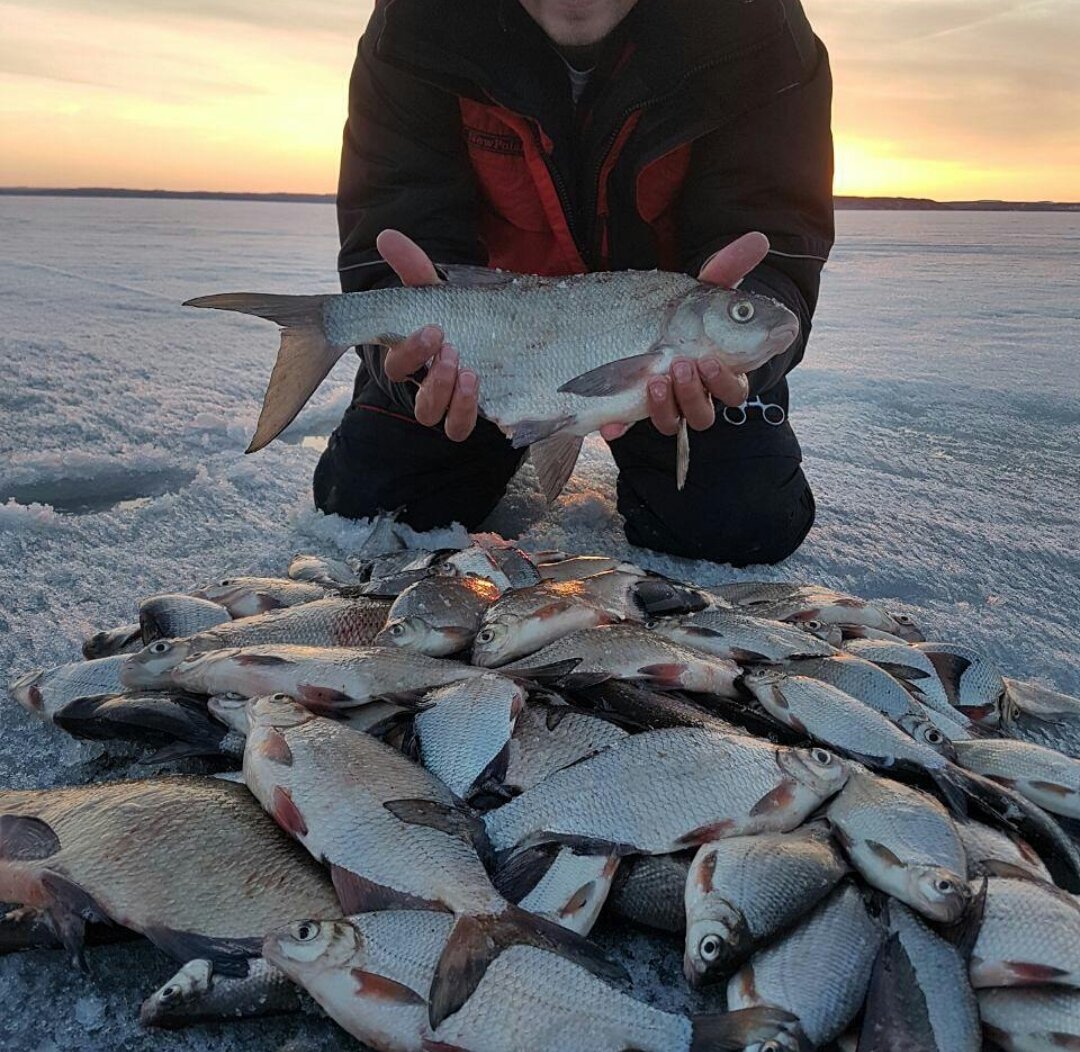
910 204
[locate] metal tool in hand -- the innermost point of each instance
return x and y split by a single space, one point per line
771 413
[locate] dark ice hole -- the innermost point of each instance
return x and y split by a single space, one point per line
110 489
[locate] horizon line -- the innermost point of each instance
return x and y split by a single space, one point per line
298 197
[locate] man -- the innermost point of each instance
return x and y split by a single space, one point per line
565 136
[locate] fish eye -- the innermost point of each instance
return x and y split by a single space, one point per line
814 626
280 697
305 931
903 619
741 311
160 647
225 583
944 886
170 993
485 635
771 1046
709 948
397 629
822 756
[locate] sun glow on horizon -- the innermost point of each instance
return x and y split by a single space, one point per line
952 99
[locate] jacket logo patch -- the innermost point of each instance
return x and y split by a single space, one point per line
494 142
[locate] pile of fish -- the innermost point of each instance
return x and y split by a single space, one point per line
436 792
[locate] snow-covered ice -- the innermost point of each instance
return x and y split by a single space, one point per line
939 411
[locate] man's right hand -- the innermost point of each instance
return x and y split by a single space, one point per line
447 393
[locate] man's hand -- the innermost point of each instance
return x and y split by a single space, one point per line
689 390
446 391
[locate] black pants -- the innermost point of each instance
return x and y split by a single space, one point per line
746 499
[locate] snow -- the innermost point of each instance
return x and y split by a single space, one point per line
939 411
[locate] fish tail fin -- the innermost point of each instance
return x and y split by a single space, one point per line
304 358
746 1027
475 941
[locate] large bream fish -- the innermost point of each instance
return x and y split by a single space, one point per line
557 357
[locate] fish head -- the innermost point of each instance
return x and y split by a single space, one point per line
307 947
26 690
940 893
717 938
153 665
232 710
189 984
743 329
498 641
925 731
766 683
906 627
817 769
829 633
276 710
416 633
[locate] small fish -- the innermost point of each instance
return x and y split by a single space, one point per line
176 616
520 570
743 891
322 678
250 596
738 636
631 652
972 684
1045 777
144 853
920 996
465 729
993 852
1034 1020
738 786
439 615
1041 716
394 837
113 641
45 691
1030 936
818 972
475 561
232 710
781 601
196 994
904 843
649 890
370 973
566 381
315 569
565 567
329 622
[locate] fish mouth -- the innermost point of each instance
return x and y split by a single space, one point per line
782 335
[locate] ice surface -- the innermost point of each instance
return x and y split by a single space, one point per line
939 411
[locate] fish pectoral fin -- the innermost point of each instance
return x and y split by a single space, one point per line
475 942
682 454
554 459
228 956
359 895
614 377
24 838
744 1028
304 357
379 988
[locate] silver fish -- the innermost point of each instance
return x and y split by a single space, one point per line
589 344
315 569
196 994
650 889
631 652
464 731
113 641
172 616
439 615
783 601
875 687
393 835
701 785
249 596
476 561
549 737
743 891
911 666
45 691
323 678
904 843
558 566
991 851
972 684
818 972
329 622
1035 1020
1045 777
1030 936
370 973
738 636
520 570
1041 716
920 996
232 710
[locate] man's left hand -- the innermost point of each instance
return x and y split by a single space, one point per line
688 391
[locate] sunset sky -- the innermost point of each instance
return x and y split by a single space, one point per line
951 99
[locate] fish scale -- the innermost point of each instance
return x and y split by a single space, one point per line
1044 776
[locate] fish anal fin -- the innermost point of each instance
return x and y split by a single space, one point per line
614 377
554 459
379 988
523 870
446 818
24 838
359 895
260 660
529 432
682 454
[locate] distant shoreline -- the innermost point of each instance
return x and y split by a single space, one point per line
897 204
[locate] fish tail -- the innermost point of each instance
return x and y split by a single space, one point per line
304 358
744 1028
475 941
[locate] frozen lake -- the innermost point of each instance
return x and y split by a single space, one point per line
938 408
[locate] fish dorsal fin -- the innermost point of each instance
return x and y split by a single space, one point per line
614 377
554 459
467 274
